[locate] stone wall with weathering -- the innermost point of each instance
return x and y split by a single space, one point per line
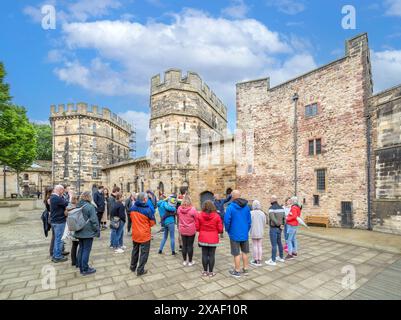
340 90
86 139
184 111
385 111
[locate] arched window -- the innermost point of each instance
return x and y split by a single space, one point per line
94 143
26 177
94 128
94 158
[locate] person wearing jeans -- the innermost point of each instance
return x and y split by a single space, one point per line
118 212
87 233
58 207
167 211
292 228
187 216
143 220
276 223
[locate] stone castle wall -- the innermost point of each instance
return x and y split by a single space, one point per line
266 115
385 110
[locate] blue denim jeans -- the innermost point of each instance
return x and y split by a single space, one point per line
292 239
168 229
58 229
117 236
286 233
275 240
85 247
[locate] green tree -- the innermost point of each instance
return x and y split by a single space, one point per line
44 141
17 134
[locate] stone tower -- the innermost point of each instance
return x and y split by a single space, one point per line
86 139
184 111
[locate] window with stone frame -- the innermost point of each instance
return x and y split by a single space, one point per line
95 173
94 128
94 158
318 146
315 147
94 143
316 200
311 147
321 180
311 110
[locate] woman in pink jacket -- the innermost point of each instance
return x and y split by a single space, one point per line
187 216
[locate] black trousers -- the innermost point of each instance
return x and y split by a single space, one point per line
188 247
129 222
99 217
208 254
140 251
74 250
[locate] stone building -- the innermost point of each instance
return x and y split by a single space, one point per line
35 179
385 123
85 140
184 112
308 137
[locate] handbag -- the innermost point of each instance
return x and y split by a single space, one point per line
115 222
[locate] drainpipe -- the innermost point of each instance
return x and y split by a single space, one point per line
295 99
369 178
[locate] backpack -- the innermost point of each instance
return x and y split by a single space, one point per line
76 220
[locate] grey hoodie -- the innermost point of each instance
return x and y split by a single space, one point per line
258 221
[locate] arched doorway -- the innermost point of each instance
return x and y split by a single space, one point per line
204 196
160 188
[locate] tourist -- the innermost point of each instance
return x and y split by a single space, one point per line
276 223
87 233
237 221
74 241
67 193
209 226
187 216
292 228
152 201
58 207
257 232
118 215
128 205
142 221
287 209
46 201
167 211
107 196
99 200
162 198
219 203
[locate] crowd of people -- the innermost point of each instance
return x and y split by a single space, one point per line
136 213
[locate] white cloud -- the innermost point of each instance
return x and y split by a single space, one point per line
140 120
238 9
291 7
393 7
386 68
222 51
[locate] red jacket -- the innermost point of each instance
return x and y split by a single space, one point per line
295 212
209 225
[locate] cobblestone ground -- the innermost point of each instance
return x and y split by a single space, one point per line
315 274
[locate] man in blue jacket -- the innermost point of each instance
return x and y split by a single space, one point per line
237 221
219 204
167 212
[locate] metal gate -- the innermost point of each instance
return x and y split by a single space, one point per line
347 219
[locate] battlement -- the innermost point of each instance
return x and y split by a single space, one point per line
81 108
173 79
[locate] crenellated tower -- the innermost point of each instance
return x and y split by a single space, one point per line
86 139
184 111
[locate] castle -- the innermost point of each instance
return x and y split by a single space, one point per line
323 136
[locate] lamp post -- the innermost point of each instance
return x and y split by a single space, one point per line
4 181
295 99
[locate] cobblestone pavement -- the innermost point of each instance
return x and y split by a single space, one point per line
316 274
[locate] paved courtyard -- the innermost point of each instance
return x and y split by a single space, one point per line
316 274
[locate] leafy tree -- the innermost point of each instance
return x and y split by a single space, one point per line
17 135
44 141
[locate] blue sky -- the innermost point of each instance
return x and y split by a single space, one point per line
105 51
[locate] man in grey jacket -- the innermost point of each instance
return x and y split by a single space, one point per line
276 223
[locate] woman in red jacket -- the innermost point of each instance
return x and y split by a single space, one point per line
209 226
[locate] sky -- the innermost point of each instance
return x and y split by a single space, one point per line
104 52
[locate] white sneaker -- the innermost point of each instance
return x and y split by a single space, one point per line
270 263
190 264
184 264
123 247
280 259
119 250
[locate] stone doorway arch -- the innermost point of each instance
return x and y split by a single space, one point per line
206 195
